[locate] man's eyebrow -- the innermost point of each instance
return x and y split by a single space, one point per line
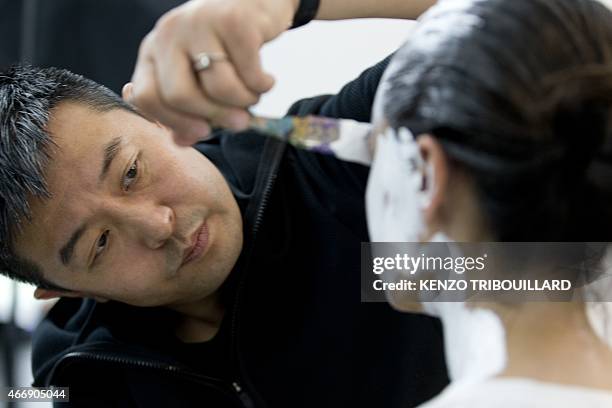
67 250
111 150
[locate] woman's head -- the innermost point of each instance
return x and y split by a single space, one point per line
512 100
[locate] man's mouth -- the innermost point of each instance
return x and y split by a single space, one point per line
199 243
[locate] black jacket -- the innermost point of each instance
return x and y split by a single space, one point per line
295 334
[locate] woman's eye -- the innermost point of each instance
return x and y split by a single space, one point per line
102 242
130 175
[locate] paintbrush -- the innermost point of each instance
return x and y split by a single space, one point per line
345 139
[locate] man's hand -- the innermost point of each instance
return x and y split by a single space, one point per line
165 85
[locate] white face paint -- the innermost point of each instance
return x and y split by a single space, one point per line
599 314
394 199
475 339
353 143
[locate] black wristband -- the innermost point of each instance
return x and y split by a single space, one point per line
306 11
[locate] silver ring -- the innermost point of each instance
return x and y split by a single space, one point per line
204 60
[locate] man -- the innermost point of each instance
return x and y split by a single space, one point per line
226 275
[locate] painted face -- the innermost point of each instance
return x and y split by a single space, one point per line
394 203
394 197
393 207
133 217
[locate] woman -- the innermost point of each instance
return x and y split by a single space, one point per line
510 105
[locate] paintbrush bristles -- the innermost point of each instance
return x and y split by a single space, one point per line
308 131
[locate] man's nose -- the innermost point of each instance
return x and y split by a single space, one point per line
151 224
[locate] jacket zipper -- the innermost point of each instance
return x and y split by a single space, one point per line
276 155
234 391
243 396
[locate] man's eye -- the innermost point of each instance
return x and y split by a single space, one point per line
101 244
130 176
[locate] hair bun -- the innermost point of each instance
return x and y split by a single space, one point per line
579 106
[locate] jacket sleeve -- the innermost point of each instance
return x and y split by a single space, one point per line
354 101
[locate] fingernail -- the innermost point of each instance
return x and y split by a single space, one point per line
127 91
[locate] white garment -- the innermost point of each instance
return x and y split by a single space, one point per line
518 393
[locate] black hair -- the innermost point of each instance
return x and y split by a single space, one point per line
27 96
519 94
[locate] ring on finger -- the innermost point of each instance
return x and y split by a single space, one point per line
203 60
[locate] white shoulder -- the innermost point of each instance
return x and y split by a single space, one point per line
518 393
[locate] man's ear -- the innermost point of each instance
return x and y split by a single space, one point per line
45 294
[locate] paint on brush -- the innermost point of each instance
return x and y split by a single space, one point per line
345 139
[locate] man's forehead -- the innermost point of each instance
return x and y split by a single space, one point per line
77 129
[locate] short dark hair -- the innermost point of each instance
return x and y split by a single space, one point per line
519 94
27 96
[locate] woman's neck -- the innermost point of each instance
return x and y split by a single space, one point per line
554 342
549 342
474 340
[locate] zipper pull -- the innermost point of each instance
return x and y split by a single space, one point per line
246 400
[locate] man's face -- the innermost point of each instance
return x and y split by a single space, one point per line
128 208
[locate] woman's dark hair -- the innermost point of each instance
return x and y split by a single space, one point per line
518 93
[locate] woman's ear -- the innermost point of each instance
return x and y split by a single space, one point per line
435 178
